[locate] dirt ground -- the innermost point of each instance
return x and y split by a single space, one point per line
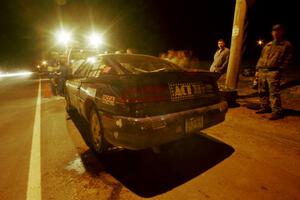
265 163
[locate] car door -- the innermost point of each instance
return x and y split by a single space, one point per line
87 88
75 84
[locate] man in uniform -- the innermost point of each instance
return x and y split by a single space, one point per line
275 56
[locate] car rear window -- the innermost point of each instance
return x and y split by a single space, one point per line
143 64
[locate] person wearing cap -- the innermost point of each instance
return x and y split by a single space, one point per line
275 56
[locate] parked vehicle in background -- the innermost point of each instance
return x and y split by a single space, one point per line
139 101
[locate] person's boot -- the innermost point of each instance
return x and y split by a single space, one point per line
276 116
264 110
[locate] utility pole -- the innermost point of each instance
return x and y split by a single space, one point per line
236 44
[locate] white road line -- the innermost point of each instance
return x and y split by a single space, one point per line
34 177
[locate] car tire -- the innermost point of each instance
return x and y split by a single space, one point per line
96 136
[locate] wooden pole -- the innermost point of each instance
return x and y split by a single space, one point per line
236 44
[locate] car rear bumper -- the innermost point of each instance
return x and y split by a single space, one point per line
141 133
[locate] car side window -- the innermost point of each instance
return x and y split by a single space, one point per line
82 70
94 71
100 68
105 68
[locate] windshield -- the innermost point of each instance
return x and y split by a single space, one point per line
136 64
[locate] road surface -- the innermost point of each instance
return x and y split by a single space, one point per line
43 156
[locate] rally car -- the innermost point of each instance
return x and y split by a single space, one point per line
140 101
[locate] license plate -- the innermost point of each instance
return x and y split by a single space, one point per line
194 123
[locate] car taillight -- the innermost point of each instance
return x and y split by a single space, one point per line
146 94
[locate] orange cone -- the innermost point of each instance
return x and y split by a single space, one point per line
47 91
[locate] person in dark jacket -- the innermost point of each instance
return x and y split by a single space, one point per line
63 76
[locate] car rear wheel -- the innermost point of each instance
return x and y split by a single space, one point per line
97 140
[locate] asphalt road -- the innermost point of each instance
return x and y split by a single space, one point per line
43 156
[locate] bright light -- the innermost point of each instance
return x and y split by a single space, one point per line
63 37
23 73
38 66
95 40
260 42
91 59
44 62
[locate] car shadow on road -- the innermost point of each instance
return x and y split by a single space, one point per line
149 174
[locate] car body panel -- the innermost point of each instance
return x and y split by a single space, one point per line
140 133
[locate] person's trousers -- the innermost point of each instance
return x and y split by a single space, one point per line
269 90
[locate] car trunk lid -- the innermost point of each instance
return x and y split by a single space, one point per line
167 92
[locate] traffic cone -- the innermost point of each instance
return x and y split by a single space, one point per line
47 91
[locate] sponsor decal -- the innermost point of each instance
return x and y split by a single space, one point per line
109 100
182 91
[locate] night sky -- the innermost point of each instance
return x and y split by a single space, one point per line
151 26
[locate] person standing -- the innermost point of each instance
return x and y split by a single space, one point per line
275 56
221 58
63 76
53 77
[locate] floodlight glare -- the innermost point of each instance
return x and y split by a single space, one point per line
63 37
91 59
95 40
22 73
